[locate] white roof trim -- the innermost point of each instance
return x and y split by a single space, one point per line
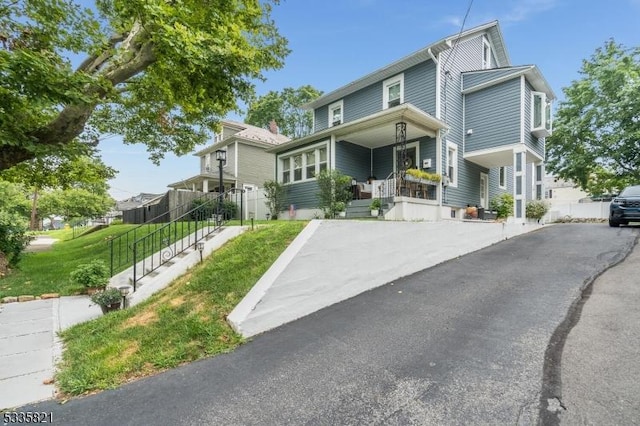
532 73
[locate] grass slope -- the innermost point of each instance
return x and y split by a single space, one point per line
184 322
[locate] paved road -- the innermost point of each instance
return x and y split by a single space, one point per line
463 342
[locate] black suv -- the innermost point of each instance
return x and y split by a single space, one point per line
625 207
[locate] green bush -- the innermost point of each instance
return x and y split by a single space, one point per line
375 204
275 193
502 204
536 209
205 208
13 236
94 274
107 297
335 187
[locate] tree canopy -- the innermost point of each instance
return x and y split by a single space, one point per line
286 108
158 72
596 136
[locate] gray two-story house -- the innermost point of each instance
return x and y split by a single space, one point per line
248 164
457 109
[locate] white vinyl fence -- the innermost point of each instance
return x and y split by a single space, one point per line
254 202
594 210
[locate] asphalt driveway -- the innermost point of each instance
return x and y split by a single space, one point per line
463 342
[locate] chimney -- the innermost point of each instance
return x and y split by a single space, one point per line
273 127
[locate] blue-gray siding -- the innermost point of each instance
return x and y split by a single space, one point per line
473 79
419 90
353 160
467 57
383 161
304 195
494 115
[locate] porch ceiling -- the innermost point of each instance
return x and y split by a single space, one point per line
500 157
380 129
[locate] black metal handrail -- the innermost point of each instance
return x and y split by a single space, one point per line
121 245
160 246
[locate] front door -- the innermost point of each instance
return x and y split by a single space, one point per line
484 190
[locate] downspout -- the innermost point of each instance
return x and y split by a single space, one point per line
439 133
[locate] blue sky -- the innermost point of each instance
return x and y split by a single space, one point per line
336 41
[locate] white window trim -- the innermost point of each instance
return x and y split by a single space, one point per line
543 114
385 89
486 61
333 106
502 184
290 154
453 180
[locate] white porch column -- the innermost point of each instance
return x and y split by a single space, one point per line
519 184
193 186
205 185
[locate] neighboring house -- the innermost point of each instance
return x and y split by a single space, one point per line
248 165
561 191
457 107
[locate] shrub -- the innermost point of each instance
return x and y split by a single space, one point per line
206 208
275 194
502 204
536 209
94 274
375 204
13 236
107 297
334 187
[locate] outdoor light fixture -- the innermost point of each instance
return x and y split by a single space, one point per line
251 214
221 157
124 291
201 249
267 215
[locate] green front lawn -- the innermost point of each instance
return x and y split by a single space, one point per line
184 322
48 271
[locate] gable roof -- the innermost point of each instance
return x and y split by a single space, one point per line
473 81
429 52
246 133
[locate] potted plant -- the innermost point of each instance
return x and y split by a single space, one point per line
93 276
341 208
375 207
109 299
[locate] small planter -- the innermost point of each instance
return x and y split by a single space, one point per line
375 212
342 214
112 307
108 300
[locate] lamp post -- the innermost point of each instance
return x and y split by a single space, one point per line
221 157
200 249
124 291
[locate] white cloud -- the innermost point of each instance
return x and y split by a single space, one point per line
524 9
513 11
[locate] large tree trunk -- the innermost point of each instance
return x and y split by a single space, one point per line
72 119
34 211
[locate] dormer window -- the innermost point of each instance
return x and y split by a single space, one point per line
486 54
393 94
541 122
336 113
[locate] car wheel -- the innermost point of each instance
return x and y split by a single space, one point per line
613 223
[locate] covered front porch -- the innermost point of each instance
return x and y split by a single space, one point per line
205 182
528 172
393 156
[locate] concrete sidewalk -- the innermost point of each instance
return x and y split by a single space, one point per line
29 343
29 346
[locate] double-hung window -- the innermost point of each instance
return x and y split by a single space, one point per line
541 122
304 164
393 91
336 113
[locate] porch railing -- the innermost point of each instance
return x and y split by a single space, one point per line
394 186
